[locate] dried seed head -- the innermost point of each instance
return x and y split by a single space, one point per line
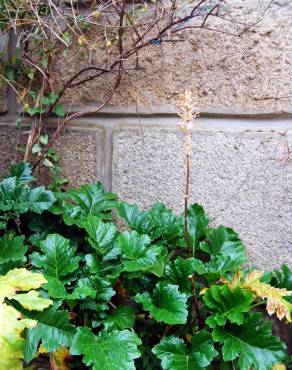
187 110
187 106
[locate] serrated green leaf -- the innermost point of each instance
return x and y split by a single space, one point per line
174 354
58 257
77 204
22 171
252 344
102 288
166 303
227 304
166 225
137 253
101 234
114 350
226 250
40 199
159 266
53 330
197 224
158 222
282 277
122 317
93 263
136 219
57 290
11 248
13 197
178 272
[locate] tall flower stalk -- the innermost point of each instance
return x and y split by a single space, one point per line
187 112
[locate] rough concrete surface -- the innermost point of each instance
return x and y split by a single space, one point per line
254 70
79 156
243 181
78 150
12 141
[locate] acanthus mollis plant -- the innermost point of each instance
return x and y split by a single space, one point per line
142 296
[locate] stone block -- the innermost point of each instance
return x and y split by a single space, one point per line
243 180
12 142
80 152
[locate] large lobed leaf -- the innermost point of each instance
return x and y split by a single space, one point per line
12 322
159 222
282 277
53 330
101 234
227 304
166 225
22 171
58 258
166 303
197 224
114 350
11 248
174 354
19 280
252 344
137 220
11 341
17 198
122 317
77 204
226 250
179 271
139 255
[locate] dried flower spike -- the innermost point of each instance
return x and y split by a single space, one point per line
187 110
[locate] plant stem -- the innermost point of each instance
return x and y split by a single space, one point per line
257 304
186 202
196 304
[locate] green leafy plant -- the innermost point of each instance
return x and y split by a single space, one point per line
111 298
12 323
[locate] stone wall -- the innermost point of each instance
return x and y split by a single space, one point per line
241 160
241 169
253 70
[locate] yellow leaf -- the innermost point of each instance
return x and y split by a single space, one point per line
32 301
188 337
19 279
81 40
96 14
108 43
11 342
275 301
12 323
42 349
279 367
203 291
58 359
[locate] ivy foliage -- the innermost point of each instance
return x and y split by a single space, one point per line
103 296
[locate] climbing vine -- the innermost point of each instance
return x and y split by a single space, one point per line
46 30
